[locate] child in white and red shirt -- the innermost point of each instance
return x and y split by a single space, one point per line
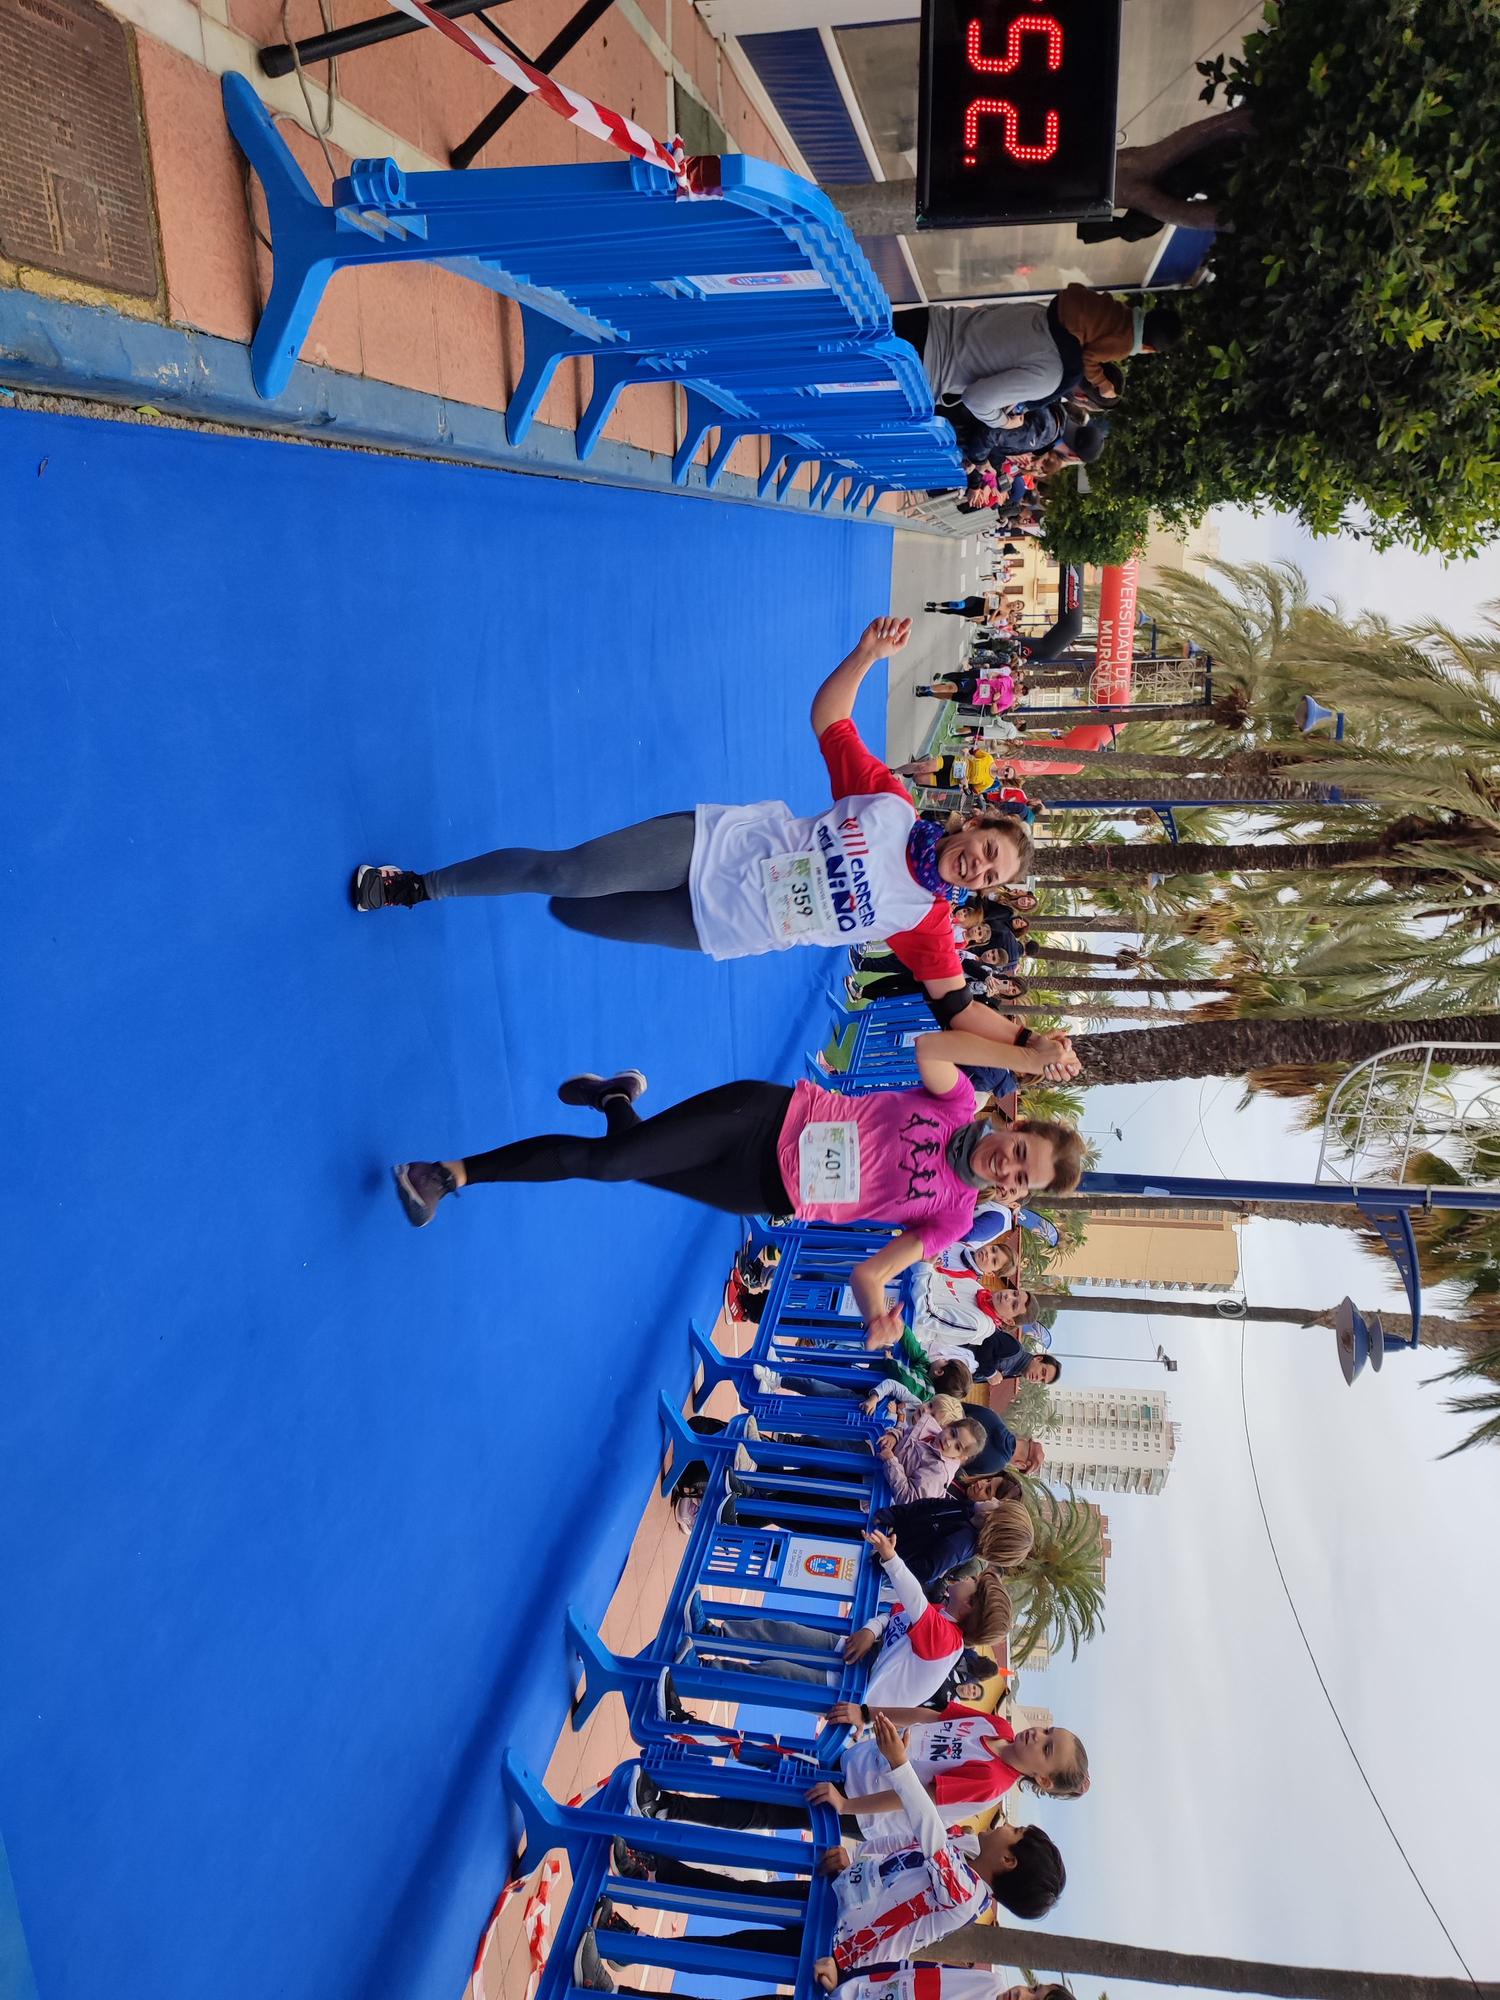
965 1759
900 1893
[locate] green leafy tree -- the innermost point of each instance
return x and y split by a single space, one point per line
1347 352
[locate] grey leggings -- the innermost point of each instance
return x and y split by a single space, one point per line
631 885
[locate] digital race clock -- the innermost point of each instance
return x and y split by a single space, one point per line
1017 111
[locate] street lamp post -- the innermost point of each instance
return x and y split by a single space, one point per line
1160 1358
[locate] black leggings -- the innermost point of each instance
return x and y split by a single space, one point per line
747 1815
786 1942
718 1148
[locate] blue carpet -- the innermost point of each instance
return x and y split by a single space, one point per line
291 1496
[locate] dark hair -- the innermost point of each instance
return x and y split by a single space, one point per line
1087 442
952 1379
1033 1885
974 1666
1053 1363
1162 327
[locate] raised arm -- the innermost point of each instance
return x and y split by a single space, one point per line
939 1056
834 700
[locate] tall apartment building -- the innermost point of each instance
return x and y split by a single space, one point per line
1162 1249
1109 1440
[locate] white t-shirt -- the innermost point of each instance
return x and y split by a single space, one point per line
910 1981
763 880
898 1895
920 1646
950 1755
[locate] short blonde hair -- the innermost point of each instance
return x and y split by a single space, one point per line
1007 1536
947 1409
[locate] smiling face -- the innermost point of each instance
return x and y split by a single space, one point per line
978 857
1015 1163
1039 1754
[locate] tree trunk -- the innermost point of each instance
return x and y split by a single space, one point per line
1076 957
999 1944
1034 982
1230 1048
1233 763
1205 857
1333 1215
1144 788
1436 1331
1228 713
1127 925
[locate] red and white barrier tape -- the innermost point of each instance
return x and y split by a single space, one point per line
536 1918
696 176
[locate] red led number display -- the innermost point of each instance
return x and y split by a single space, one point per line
1032 149
1017 105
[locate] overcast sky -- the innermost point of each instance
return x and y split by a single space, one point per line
1227 1814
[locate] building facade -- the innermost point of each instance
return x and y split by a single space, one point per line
1109 1440
1162 1249
840 78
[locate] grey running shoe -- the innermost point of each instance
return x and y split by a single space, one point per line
590 1091
588 1967
421 1185
383 886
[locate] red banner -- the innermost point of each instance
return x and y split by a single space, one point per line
1114 652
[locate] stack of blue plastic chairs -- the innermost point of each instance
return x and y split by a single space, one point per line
758 300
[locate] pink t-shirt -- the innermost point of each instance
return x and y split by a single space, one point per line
898 1159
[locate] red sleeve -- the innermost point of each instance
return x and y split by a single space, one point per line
975 1782
853 768
962 1708
935 1636
927 949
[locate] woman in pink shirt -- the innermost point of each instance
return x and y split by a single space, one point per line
920 1158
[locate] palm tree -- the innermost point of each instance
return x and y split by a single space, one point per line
1058 1592
1481 1365
1211 789
1232 1048
1436 1331
998 1944
1412 851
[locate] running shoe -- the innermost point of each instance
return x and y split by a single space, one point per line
627 1864
768 1378
588 1967
608 1918
644 1798
383 886
590 1091
421 1185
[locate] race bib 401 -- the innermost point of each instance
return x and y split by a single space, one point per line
828 1160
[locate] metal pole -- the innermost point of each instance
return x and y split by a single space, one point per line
276 59
1327 1194
567 37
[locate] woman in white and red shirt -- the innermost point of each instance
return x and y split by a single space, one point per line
735 881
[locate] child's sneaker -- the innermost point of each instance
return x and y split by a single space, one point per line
767 1378
627 1864
643 1801
588 1967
